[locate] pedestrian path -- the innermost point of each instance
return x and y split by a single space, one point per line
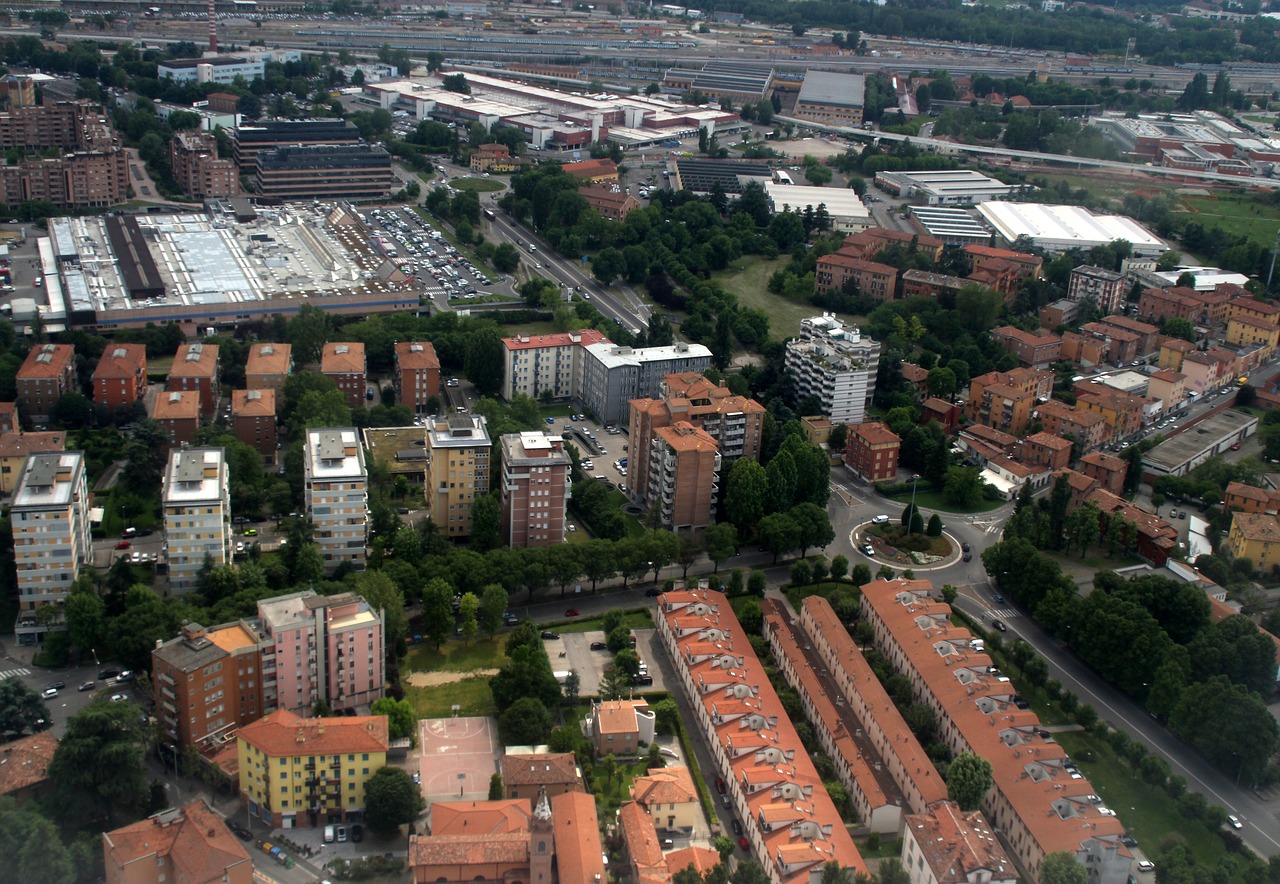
13 673
1005 613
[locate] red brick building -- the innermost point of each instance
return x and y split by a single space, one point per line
178 414
870 279
417 376
1105 469
867 243
253 420
1047 450
48 371
344 362
1038 349
268 367
871 451
120 378
208 682
195 368
1086 427
945 413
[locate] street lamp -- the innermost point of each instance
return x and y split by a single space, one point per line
911 514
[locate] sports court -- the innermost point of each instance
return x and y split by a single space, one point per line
458 757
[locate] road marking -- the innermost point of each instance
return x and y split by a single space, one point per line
13 673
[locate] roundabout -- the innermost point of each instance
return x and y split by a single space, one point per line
884 552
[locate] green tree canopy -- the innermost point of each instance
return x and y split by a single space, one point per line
392 799
968 780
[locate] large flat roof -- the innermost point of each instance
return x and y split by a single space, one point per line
47 479
194 474
1058 228
1170 455
840 202
829 87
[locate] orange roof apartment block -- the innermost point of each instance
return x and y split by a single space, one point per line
120 378
1046 450
868 243
958 847
868 278
611 206
1249 499
417 376
48 371
1041 807
616 727
191 845
1107 470
791 824
195 367
253 420
524 776
344 362
683 475
1089 428
268 367
1038 349
178 414
871 451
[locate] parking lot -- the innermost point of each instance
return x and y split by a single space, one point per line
601 449
590 664
420 249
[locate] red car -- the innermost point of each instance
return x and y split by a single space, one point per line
124 544
720 785
572 612
1235 447
744 843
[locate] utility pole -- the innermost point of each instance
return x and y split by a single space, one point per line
1274 248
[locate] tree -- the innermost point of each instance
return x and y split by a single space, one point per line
21 710
1241 750
814 526
1061 868
468 608
456 83
746 494
437 610
401 722
964 486
935 526
307 332
382 594
526 722
493 604
33 847
496 789
86 617
391 800
483 361
486 523
780 533
968 780
721 541
98 764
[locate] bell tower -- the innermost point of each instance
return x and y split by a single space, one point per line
542 842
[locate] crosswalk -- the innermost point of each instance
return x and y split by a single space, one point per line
1005 613
13 673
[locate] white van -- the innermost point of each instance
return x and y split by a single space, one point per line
328 834
880 520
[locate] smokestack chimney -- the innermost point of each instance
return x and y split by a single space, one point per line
213 28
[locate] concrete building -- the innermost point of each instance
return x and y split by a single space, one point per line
535 489
836 364
1057 228
253 420
195 367
120 378
538 364
297 772
844 210
789 821
957 187
526 775
682 479
196 499
16 447
336 495
612 376
871 451
268 367
324 172
178 415
833 98
417 374
946 845
191 844
207 683
1180 454
977 712
735 422
458 463
49 516
1105 288
249 140
840 273
344 363
316 647
48 371
199 172
211 69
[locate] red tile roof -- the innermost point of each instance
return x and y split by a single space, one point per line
579 854
25 761
46 361
875 433
416 355
959 846
196 840
584 338
282 733
252 403
20 444
539 769
269 359
669 785
480 817
121 361
342 357
195 361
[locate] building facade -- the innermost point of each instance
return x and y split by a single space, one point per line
195 367
535 489
535 365
336 493
193 157
836 364
1105 288
197 514
268 367
458 463
682 479
325 172
871 451
612 376
177 414
344 363
120 378
207 683
49 515
417 375
253 420
48 371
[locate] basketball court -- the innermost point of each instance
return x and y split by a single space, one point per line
459 755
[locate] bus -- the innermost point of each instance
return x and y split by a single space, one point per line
488 214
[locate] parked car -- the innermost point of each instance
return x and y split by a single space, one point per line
550 635
599 646
118 698
106 674
49 693
720 785
125 675
58 685
357 832
124 544
736 825
87 686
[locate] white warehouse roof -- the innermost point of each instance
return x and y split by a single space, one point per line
1058 228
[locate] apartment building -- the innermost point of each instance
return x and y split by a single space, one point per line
1026 266
458 458
1148 335
48 371
336 493
324 172
1121 345
538 364
1173 351
611 206
1045 450
493 158
927 284
193 157
16 447
207 684
683 476
253 420
789 821
9 417
197 514
868 243
49 516
1123 413
188 844
612 376
840 273
268 366
344 362
535 489
1037 803
120 378
317 647
836 364
594 171
195 367
1105 469
1245 330
25 774
735 422
1250 499
1157 539
417 375
178 416
668 795
1005 400
1038 349
297 772
1105 288
871 451
86 166
1253 309
1089 428
1256 537
1182 302
945 414
946 845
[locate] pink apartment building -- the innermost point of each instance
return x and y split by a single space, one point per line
340 636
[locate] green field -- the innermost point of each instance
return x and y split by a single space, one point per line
1237 215
748 278
471 694
457 656
933 500
479 185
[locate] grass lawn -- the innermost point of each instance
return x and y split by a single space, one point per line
933 500
610 794
1146 811
636 618
1237 215
749 280
479 185
471 694
457 656
531 329
1096 560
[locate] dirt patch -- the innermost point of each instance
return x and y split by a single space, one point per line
435 679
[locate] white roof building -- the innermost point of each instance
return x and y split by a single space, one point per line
847 211
1059 228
